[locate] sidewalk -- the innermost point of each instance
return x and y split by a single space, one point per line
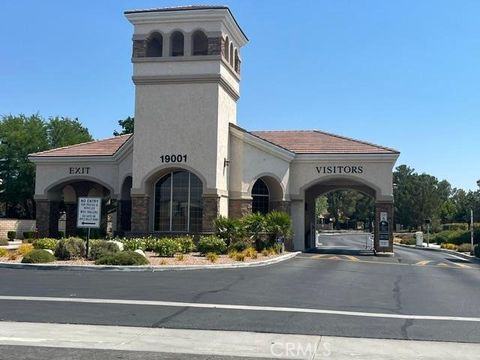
226 343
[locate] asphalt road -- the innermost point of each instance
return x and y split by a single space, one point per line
51 353
414 282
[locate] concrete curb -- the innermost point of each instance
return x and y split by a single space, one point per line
446 251
148 268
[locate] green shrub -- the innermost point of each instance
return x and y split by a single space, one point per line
212 257
166 247
250 252
449 246
30 234
45 243
150 243
71 248
185 244
3 252
24 249
3 242
240 256
123 258
133 244
408 241
456 237
101 248
455 226
11 235
180 257
476 250
255 224
278 248
38 256
229 230
279 225
466 247
239 246
212 244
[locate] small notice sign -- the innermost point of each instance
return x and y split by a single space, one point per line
384 243
383 216
89 212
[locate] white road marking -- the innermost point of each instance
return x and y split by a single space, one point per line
423 262
457 257
240 307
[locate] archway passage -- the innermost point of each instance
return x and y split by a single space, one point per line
344 215
57 215
344 221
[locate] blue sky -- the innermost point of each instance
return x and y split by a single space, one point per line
404 74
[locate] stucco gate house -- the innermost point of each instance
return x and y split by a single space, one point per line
189 161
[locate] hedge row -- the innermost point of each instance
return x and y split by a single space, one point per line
456 237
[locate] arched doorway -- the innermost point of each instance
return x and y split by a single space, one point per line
59 216
124 207
375 211
344 221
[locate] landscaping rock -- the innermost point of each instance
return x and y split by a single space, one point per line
119 244
138 251
48 250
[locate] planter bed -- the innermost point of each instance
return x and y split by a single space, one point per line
188 259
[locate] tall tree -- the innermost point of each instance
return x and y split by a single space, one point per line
22 135
63 131
127 126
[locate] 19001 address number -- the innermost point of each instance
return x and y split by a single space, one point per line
174 158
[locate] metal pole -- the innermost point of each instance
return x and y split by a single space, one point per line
88 240
471 229
428 235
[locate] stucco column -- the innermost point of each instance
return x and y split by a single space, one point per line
238 208
140 213
383 234
47 218
71 219
211 206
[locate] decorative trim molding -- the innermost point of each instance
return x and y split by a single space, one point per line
150 59
187 79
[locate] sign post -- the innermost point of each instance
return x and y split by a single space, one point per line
89 215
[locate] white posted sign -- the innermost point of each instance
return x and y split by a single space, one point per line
89 212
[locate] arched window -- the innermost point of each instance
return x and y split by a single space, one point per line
200 43
230 54
176 44
155 45
237 61
178 203
227 44
260 197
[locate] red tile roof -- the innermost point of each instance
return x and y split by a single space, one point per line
319 142
296 141
106 147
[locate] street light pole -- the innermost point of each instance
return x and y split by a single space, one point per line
471 229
